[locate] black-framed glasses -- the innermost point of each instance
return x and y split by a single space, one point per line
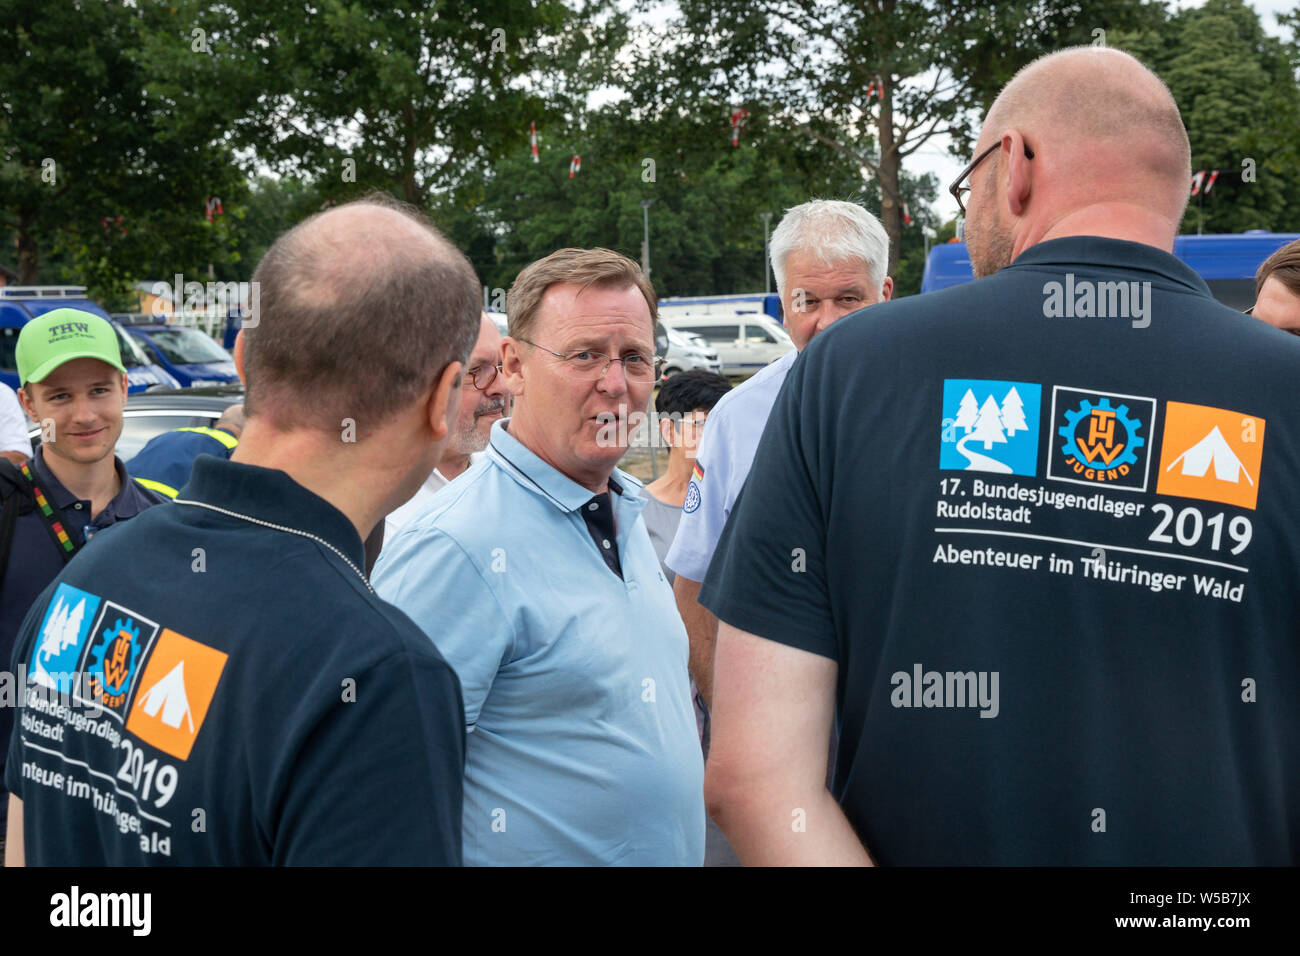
483 375
959 187
590 366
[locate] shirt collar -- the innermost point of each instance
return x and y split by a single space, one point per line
127 503
1097 253
562 491
270 495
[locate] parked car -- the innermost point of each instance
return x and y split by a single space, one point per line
20 304
744 341
191 356
161 410
687 351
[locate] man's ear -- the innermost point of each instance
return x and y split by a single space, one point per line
126 387
26 401
1019 172
512 365
667 428
444 401
886 289
238 352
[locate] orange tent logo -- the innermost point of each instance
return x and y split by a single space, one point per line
1211 453
175 692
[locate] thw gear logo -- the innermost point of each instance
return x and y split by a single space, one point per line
1102 438
118 644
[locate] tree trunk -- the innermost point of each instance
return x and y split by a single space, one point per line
29 251
891 212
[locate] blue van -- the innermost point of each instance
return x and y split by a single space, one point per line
191 356
1226 261
20 304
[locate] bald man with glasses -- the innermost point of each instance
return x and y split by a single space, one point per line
484 400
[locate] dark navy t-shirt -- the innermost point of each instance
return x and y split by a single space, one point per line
1045 523
210 688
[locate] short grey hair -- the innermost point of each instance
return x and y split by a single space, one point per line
834 232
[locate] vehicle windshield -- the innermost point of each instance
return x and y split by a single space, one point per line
187 346
133 355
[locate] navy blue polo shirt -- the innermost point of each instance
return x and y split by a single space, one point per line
163 465
1045 525
215 682
34 560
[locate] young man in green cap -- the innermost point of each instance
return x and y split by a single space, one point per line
74 386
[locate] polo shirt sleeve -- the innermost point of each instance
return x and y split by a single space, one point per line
427 574
768 574
362 798
707 504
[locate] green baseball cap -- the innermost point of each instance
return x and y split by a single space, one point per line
60 336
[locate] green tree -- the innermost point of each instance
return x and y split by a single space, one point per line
874 80
1236 88
85 139
408 96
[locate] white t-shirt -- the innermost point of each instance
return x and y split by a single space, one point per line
726 451
13 423
413 508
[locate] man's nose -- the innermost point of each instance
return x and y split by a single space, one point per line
614 379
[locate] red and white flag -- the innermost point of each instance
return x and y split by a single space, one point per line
1209 183
1198 177
532 140
575 164
907 216
213 208
738 117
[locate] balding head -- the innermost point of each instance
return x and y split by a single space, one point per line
1105 134
361 308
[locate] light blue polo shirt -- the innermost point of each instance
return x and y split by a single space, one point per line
582 747
721 466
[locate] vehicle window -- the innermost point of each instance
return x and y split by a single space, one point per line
756 333
715 333
1238 294
185 346
138 429
133 354
8 343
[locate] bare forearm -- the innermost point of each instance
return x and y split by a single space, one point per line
14 850
702 630
16 457
769 828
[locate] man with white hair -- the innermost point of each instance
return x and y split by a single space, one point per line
982 537
829 259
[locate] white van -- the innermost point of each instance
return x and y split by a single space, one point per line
744 341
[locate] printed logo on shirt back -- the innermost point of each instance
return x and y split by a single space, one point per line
62 637
176 690
990 426
1101 438
118 642
1211 453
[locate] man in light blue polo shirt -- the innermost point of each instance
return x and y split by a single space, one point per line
535 577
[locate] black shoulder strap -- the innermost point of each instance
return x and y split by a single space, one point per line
17 499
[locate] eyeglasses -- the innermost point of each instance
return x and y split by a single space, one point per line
1292 329
959 189
483 375
588 366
